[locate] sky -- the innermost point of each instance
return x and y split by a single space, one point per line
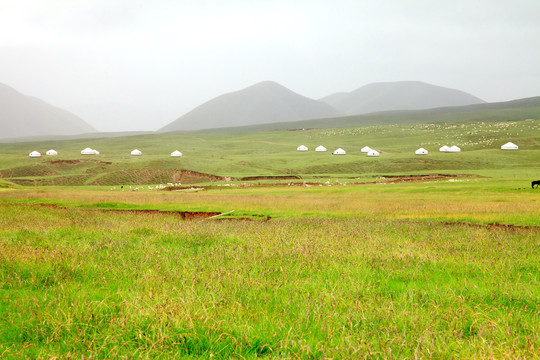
127 65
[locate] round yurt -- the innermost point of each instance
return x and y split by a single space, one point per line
302 148
339 151
444 148
34 154
176 153
89 151
52 152
136 152
421 151
454 148
320 148
366 149
373 153
509 146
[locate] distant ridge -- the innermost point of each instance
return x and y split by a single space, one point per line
399 95
514 110
265 102
22 115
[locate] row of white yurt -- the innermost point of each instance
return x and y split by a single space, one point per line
38 154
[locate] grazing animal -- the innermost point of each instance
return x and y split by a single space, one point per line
537 183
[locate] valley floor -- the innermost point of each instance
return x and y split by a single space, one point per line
444 269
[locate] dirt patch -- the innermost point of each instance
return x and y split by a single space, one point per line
155 176
277 177
184 215
59 163
511 227
420 178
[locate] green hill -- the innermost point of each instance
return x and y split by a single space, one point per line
514 110
215 157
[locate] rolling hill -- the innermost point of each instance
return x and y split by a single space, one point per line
515 110
22 115
265 102
400 95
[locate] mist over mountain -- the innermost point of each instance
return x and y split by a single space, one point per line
265 102
22 115
399 95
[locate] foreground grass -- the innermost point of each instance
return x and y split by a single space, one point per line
83 282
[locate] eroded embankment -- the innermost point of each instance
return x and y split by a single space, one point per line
184 215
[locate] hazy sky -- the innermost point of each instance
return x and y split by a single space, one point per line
138 65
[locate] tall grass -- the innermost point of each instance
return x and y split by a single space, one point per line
76 282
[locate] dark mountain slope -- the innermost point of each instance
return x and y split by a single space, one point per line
265 102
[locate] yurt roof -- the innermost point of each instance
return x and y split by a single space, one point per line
509 145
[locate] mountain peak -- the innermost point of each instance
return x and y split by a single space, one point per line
398 95
263 102
24 115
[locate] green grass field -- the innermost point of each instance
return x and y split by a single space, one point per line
343 261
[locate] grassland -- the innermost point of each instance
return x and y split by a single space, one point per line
274 153
317 267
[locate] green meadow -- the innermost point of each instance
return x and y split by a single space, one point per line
400 256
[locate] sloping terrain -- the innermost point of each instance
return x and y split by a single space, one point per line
22 115
401 95
265 102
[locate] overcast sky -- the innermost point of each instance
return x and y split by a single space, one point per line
138 65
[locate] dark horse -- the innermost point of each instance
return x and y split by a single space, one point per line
537 183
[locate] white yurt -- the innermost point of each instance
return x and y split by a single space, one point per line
339 151
302 148
34 154
136 152
373 153
52 152
454 148
89 151
320 148
421 151
444 148
176 153
366 149
509 146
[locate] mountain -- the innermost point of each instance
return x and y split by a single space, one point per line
400 95
22 115
514 110
265 102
